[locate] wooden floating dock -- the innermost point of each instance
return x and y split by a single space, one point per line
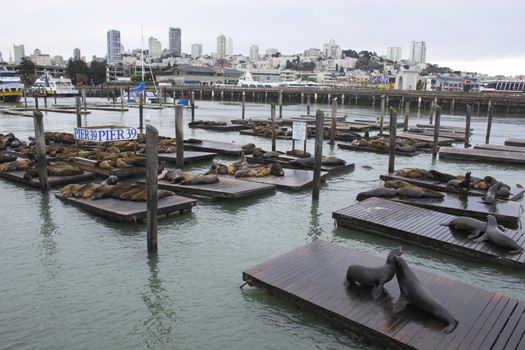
284 161
375 123
515 142
89 165
253 133
224 128
189 156
516 193
53 181
17 113
225 148
501 148
443 127
108 109
120 210
424 138
226 188
456 136
374 150
422 227
482 155
293 179
313 277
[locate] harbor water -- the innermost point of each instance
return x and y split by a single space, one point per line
72 280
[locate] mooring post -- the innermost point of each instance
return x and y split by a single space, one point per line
489 123
467 126
84 99
79 114
407 115
280 104
179 137
55 96
319 124
45 99
401 103
308 104
36 101
192 106
392 149
452 106
152 165
121 99
243 104
141 113
432 110
333 128
25 98
382 115
418 106
437 123
272 115
38 121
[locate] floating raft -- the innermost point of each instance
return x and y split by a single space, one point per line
284 160
501 148
374 150
108 108
89 165
515 142
253 133
443 127
226 148
226 188
422 227
293 179
189 156
15 112
313 277
53 181
424 138
456 136
375 123
120 210
516 193
482 155
227 127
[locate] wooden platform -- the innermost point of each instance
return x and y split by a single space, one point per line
374 150
226 188
424 138
89 165
252 133
293 179
501 148
224 128
422 227
284 160
53 181
516 193
119 210
515 142
456 136
189 156
443 127
313 277
226 148
482 155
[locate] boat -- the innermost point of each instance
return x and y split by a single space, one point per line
48 85
247 80
10 85
503 86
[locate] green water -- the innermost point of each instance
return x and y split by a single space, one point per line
72 280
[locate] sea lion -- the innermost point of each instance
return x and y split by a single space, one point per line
374 277
377 192
412 172
490 197
248 146
436 175
200 179
20 164
69 190
4 157
133 191
461 184
261 171
494 235
418 192
397 183
472 226
298 153
414 293
193 141
111 180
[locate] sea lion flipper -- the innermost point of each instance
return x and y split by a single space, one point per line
483 237
400 304
451 327
376 291
474 234
515 251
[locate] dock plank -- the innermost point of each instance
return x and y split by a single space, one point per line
315 279
374 150
424 138
223 128
402 228
293 179
226 148
53 181
482 155
515 142
500 148
189 156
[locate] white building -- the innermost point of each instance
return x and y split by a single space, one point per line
312 52
332 50
40 59
271 52
196 50
393 53
418 52
113 44
254 53
19 53
221 46
175 41
1 59
229 47
406 79
154 47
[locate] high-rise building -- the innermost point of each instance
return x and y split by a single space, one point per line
229 47
57 60
196 50
271 52
19 53
254 53
175 41
418 52
393 53
76 54
114 53
312 52
1 59
332 50
221 46
154 47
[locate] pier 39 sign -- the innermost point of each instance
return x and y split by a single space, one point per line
105 134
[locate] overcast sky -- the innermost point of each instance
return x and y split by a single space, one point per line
484 36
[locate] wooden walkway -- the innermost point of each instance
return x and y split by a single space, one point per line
482 155
501 148
226 148
313 277
515 142
53 181
120 210
374 150
293 179
223 128
516 193
422 227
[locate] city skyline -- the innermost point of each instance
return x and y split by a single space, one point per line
458 39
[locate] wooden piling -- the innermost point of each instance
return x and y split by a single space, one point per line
432 110
79 114
84 99
407 116
467 125
418 106
272 115
392 149
25 97
121 99
437 123
45 99
243 105
382 115
333 128
40 142
319 124
192 105
36 102
489 123
452 106
280 104
308 104
152 164
179 137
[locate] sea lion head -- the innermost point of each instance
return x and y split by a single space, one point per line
491 221
277 169
394 254
111 180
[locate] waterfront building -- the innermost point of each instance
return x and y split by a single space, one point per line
196 50
221 46
229 47
406 79
418 52
175 41
254 53
40 59
393 53
19 53
76 54
114 47
154 47
198 75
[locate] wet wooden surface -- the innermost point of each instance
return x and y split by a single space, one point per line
53 181
443 127
227 127
501 148
515 142
313 277
284 160
189 156
253 133
456 136
293 179
226 148
424 138
374 150
123 210
482 155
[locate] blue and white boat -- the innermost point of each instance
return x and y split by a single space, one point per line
11 86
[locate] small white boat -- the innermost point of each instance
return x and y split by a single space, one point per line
54 86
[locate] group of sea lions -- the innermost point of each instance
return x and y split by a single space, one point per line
208 123
403 189
9 140
382 143
411 289
54 168
178 176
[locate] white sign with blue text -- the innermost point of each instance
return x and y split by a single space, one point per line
106 135
299 131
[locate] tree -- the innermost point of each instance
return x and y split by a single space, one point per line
77 71
97 72
27 69
350 53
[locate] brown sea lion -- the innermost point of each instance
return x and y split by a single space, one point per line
69 190
5 157
133 191
397 184
494 235
412 172
200 179
418 192
377 192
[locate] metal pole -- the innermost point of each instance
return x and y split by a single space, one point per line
141 114
467 126
319 123
392 150
489 122
436 131
179 137
40 150
152 164
272 113
333 128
